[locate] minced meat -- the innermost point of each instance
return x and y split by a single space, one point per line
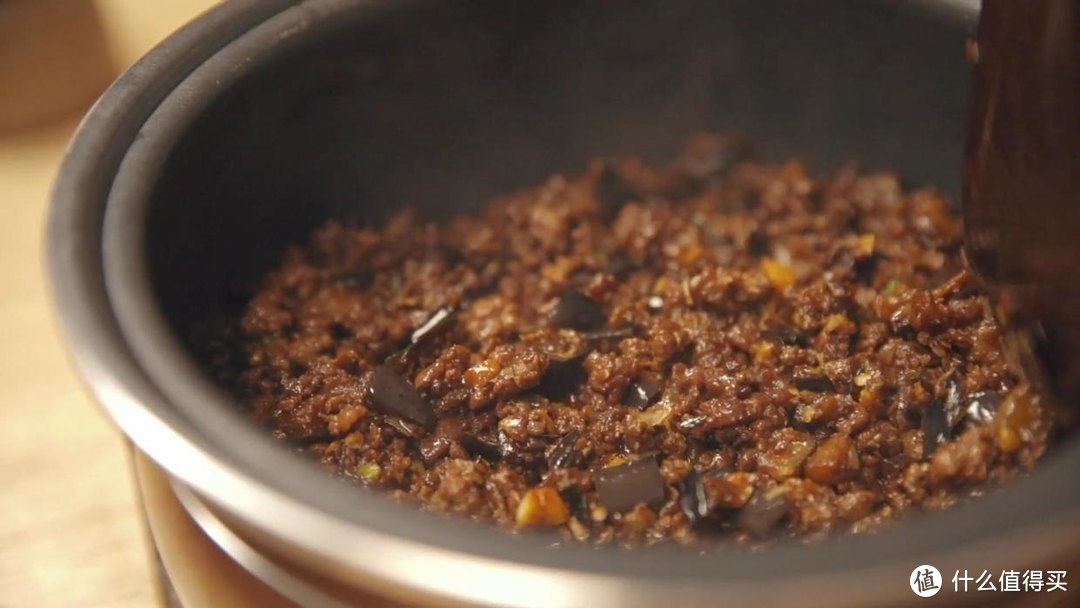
712 349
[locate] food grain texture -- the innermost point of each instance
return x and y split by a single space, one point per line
709 352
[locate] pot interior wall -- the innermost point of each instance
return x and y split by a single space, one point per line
442 104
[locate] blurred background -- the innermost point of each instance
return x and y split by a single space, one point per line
71 533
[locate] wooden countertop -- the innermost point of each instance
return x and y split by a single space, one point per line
71 533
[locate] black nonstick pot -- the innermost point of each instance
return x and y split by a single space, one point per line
262 118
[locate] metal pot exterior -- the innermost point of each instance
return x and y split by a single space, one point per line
261 119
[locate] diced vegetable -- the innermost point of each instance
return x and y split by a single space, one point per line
394 395
835 460
564 452
576 310
762 512
541 506
621 487
640 394
781 275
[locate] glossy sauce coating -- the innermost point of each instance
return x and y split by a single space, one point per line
710 350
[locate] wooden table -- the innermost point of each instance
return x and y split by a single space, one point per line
71 533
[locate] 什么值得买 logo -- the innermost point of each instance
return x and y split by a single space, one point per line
925 581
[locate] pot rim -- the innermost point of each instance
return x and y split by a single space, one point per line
151 387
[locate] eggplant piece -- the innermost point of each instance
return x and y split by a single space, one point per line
622 487
942 418
436 324
405 427
566 370
565 451
693 501
935 427
865 268
954 410
758 244
576 310
640 394
816 383
528 453
562 377
434 447
437 444
762 513
983 406
788 336
478 445
578 504
608 334
393 395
